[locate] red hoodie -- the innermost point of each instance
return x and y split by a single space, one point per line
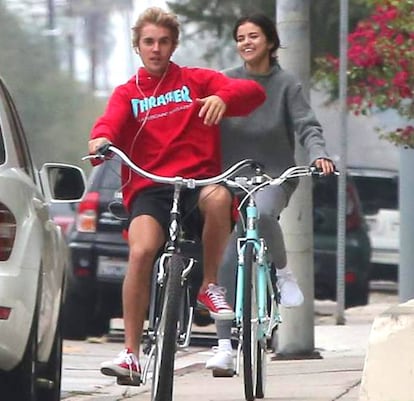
158 126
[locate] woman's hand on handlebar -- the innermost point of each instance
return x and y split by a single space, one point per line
326 166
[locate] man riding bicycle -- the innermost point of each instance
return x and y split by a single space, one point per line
166 119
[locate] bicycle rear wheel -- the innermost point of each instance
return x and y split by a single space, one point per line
166 334
249 324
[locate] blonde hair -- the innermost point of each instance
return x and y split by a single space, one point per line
156 16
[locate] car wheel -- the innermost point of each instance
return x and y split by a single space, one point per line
99 326
74 318
358 295
49 385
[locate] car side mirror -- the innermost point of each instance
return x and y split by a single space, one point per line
63 182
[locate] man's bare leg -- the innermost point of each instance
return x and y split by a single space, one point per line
215 205
145 238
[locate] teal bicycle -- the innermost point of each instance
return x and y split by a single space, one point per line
257 297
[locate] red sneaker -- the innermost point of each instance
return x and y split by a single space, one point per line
125 367
215 301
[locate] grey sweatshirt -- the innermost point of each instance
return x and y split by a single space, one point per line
268 133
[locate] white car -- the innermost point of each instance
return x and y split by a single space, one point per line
378 191
33 259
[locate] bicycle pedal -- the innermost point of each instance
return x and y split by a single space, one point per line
223 372
127 381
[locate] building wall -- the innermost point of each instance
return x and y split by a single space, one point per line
364 146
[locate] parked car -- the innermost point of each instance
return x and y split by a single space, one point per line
33 259
378 191
357 243
98 256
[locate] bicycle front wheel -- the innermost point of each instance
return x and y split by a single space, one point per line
249 324
261 369
166 333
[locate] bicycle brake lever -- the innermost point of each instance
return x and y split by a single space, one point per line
93 157
101 153
103 149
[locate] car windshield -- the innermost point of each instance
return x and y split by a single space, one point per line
377 193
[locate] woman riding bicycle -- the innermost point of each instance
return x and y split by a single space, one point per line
166 119
267 136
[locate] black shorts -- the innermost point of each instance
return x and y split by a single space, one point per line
157 201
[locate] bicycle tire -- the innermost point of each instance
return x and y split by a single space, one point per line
262 347
261 369
166 335
249 325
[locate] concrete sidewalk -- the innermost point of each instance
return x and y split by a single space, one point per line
334 377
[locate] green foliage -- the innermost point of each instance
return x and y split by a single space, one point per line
380 65
215 20
57 112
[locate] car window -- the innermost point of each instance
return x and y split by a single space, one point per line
17 133
325 192
377 193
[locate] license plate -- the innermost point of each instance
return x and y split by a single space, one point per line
111 267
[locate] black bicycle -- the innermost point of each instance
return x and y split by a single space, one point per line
172 298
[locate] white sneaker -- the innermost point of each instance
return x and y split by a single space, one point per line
290 293
222 364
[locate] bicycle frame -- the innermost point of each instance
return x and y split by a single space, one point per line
173 271
158 286
169 326
255 323
263 284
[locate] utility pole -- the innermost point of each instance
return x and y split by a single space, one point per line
296 333
341 231
406 196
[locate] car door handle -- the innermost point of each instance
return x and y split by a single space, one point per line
43 212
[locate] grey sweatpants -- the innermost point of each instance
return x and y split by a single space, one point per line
270 203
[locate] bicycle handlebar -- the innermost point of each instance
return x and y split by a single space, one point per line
104 151
262 179
259 180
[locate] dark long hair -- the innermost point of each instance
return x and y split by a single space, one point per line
266 25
